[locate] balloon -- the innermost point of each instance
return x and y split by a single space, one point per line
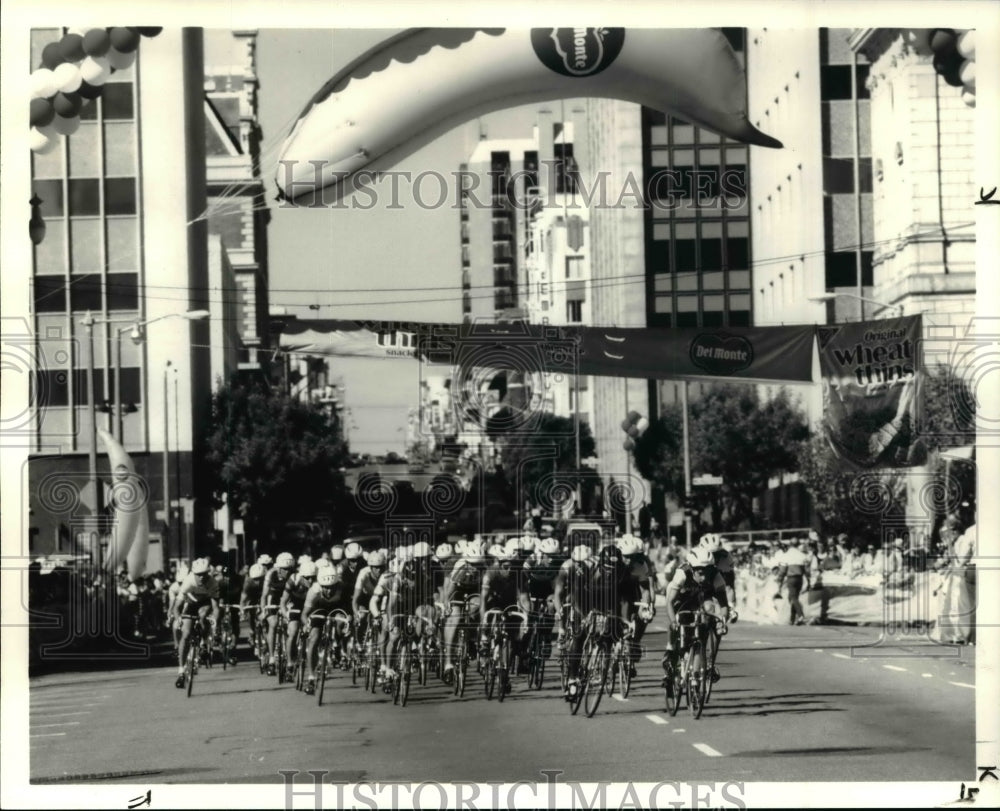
942 41
68 76
124 40
967 44
96 42
149 32
43 83
626 424
633 416
633 431
40 143
71 48
120 60
416 85
52 56
969 97
90 91
948 66
629 444
66 125
95 70
42 112
642 425
967 74
66 105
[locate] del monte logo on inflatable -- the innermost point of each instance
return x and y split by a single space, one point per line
720 353
577 51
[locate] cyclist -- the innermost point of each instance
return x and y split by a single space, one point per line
499 590
292 600
172 592
377 607
723 562
364 589
325 595
270 597
570 591
411 595
337 555
198 594
538 576
463 581
696 584
352 564
250 595
637 588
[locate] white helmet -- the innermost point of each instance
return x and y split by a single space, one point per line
324 563
513 545
421 550
352 551
528 543
200 566
444 551
404 553
304 559
256 571
474 550
376 559
307 569
336 553
548 546
495 550
265 560
711 542
506 553
285 561
460 546
581 553
699 557
630 545
328 576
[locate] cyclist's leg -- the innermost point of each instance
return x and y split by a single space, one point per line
393 643
293 636
383 643
182 646
315 628
272 624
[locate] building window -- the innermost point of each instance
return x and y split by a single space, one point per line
684 255
738 252
85 293
50 192
50 386
84 197
117 100
119 195
123 291
835 82
711 254
574 311
49 294
739 310
574 267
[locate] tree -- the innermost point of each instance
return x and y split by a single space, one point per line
543 445
733 435
272 458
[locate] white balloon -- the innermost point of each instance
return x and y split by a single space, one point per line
967 44
969 97
40 143
642 424
68 76
95 70
968 75
120 61
43 84
66 126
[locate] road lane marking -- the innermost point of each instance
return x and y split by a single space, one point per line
657 720
62 714
65 707
64 697
840 655
48 735
679 730
927 675
618 698
893 667
66 724
963 684
817 650
705 749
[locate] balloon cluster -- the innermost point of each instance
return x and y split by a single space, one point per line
635 426
954 52
72 74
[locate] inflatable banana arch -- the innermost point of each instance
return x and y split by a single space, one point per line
417 85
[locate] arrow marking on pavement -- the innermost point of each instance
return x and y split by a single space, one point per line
705 749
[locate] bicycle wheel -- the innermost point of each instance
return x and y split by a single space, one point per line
405 673
674 689
300 664
324 658
463 664
696 680
189 666
373 664
597 681
260 643
583 678
225 646
625 670
279 653
504 670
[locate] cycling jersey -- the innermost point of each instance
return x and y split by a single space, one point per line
296 588
274 585
364 588
686 594
194 593
605 589
252 589
571 582
413 586
465 580
499 589
325 599
538 578
349 572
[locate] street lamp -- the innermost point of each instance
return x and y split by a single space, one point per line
135 330
862 299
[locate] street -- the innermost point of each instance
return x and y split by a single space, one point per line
794 704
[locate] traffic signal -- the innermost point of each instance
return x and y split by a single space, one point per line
634 425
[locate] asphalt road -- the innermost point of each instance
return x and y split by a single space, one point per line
794 704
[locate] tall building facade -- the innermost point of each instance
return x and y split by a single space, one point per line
126 241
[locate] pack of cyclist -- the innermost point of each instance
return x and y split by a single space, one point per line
530 585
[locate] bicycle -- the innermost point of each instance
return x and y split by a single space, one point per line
463 645
328 641
537 655
196 650
621 673
372 654
595 664
227 639
409 645
692 677
500 657
280 638
570 625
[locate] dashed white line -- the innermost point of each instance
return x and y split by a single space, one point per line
963 684
48 735
656 719
705 749
840 655
897 669
817 650
54 708
65 724
680 730
64 697
927 675
61 714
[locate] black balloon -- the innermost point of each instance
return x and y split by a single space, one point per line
71 48
96 42
67 105
124 40
950 67
149 32
90 91
52 56
42 112
943 41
